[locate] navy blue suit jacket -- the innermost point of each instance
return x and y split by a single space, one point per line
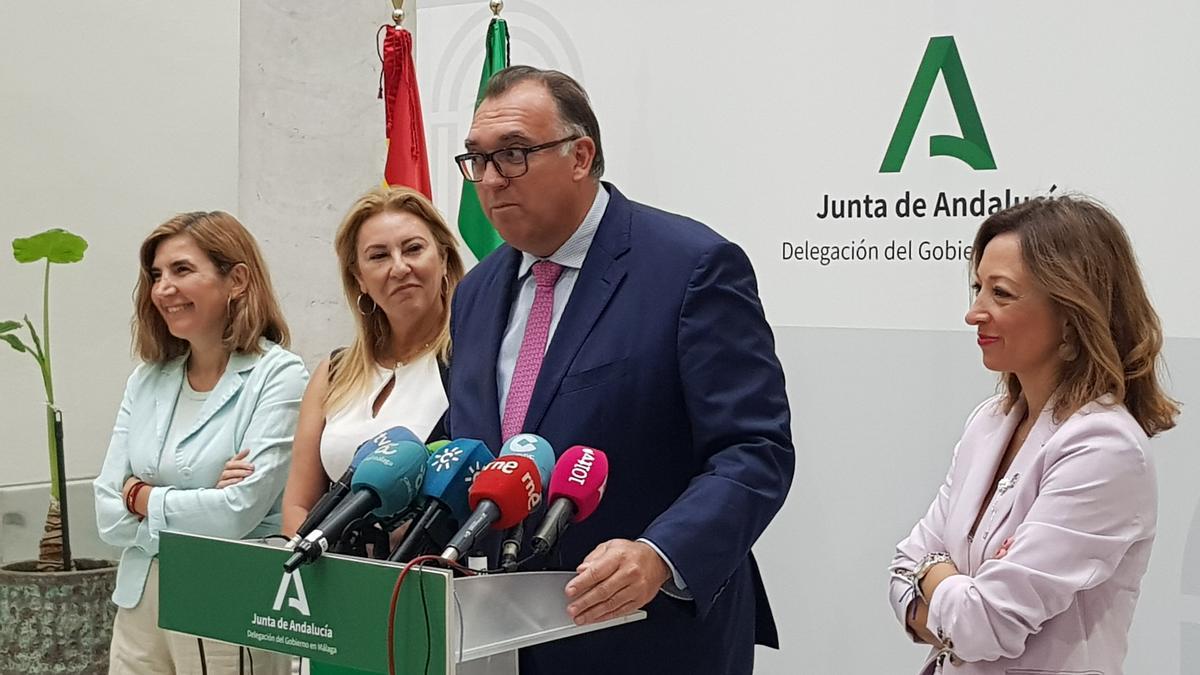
663 359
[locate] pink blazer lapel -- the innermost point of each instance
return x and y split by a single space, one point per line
979 457
1024 471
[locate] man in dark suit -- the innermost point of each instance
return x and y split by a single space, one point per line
611 324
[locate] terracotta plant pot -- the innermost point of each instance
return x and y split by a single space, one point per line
56 623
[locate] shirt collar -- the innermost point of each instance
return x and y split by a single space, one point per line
574 250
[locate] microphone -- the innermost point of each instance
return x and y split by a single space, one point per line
538 449
510 548
434 446
502 495
384 483
448 476
341 487
575 490
534 447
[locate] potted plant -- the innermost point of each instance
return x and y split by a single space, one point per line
56 610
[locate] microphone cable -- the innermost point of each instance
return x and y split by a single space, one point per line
419 562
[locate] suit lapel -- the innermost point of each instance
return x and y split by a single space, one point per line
166 393
984 460
1018 472
491 318
599 278
227 387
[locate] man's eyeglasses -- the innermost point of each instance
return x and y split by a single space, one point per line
509 162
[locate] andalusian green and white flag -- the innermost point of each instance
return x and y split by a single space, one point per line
475 228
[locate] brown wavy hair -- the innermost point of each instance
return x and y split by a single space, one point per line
252 315
355 364
1078 252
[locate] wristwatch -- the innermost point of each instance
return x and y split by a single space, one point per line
923 568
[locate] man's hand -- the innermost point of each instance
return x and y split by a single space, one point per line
617 578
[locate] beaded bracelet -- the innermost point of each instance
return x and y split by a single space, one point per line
131 498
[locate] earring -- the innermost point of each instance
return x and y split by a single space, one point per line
359 303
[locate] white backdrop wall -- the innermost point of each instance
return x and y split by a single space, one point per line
749 117
116 115
113 117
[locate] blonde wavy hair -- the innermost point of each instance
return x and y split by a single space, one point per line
227 243
1079 253
350 369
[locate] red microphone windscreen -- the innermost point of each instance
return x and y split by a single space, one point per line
512 482
580 475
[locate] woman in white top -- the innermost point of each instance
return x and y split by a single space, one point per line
399 265
214 382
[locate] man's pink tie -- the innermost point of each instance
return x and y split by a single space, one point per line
533 348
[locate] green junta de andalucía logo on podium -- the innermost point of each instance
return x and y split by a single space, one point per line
941 56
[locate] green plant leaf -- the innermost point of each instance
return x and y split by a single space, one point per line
7 326
56 245
14 342
37 343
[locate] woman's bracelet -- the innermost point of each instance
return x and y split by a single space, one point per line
927 563
131 498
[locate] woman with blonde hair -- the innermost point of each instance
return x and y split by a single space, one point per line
215 382
1030 558
399 265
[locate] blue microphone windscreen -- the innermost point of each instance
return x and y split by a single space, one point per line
534 447
450 471
391 436
394 472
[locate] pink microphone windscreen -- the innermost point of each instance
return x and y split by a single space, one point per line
580 475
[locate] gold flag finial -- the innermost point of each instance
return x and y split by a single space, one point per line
497 6
397 12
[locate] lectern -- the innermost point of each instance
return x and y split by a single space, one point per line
335 610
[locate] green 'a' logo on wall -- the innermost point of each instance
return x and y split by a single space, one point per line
941 55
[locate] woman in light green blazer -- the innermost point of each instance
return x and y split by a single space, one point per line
215 384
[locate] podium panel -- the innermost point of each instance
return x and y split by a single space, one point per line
333 610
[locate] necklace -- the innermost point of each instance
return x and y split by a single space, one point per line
400 363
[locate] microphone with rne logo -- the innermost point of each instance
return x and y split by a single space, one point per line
576 488
448 477
385 483
341 487
538 449
501 496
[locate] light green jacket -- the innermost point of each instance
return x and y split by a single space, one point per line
254 405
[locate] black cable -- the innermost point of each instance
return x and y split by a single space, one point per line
425 608
241 661
419 565
520 563
203 658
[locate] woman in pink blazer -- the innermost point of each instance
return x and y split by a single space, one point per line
1030 558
